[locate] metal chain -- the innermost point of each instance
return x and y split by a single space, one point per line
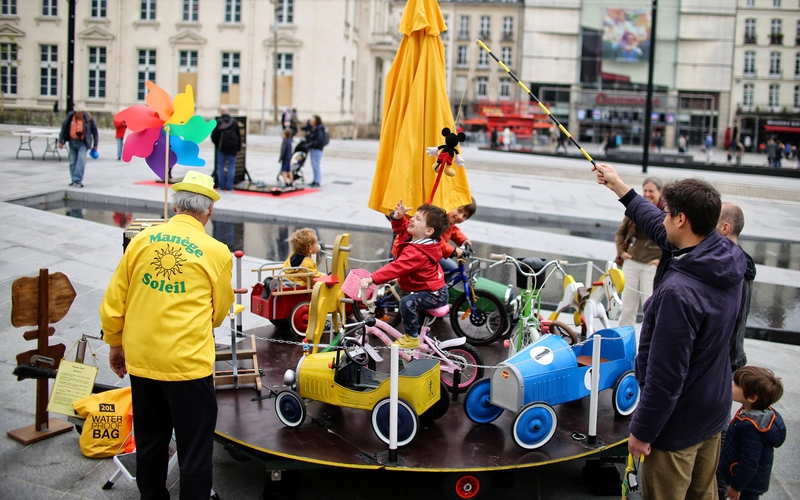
329 255
420 354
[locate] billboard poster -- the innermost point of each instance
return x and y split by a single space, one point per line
626 35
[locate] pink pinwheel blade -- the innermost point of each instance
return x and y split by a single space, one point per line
156 159
140 143
139 117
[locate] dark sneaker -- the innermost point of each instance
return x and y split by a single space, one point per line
78 184
407 342
313 185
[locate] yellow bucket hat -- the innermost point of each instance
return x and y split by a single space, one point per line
197 183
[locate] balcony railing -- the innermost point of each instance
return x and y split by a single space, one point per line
508 36
776 39
797 40
776 75
463 35
749 74
486 35
750 39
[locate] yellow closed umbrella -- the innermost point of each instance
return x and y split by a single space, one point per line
415 111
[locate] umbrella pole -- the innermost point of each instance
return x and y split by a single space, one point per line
166 174
436 184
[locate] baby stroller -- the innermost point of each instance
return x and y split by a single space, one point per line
296 163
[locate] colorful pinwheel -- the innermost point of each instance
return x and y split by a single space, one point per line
147 137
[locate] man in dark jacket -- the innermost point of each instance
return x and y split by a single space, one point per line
228 141
80 130
682 366
730 225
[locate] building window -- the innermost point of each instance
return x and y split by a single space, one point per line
147 71
8 7
747 96
190 11
776 3
285 64
797 35
797 65
774 95
776 27
344 82
49 8
797 96
482 88
98 8
508 28
352 83
505 88
751 3
446 18
486 27
505 56
147 10
483 59
233 11
750 63
774 64
8 67
749 31
97 73
188 61
48 70
285 11
230 71
463 61
463 27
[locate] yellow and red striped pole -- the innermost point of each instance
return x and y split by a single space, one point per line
541 105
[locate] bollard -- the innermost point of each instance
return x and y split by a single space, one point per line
394 388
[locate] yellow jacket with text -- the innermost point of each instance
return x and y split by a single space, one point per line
169 291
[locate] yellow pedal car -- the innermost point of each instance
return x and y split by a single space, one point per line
345 380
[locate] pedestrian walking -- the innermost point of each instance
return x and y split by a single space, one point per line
80 131
119 133
708 144
318 139
228 141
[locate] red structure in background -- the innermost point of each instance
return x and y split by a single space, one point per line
521 117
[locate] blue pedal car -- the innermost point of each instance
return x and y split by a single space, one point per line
550 372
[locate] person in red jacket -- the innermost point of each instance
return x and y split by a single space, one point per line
454 234
416 266
120 127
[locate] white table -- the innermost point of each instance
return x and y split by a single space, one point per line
50 135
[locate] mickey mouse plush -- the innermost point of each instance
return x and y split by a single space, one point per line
449 152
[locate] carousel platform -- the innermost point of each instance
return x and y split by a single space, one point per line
343 437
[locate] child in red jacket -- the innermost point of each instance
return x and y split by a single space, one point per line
416 266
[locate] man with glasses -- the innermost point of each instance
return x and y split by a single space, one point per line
682 366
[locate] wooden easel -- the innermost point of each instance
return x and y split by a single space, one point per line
41 301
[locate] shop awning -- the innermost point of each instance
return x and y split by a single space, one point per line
475 121
540 124
777 128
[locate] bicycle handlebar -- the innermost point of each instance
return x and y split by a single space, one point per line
504 258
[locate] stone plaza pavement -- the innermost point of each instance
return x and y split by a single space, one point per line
513 187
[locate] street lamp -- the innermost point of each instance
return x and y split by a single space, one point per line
275 65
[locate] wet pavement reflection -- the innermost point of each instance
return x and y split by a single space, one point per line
774 313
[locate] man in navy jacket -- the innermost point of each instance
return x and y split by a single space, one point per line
682 366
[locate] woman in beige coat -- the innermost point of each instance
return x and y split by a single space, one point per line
639 256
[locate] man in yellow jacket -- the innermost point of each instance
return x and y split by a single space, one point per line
171 288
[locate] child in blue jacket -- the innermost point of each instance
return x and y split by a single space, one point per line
286 158
745 463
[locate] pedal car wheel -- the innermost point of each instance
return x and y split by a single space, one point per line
564 331
470 363
534 425
626 394
299 318
477 405
354 352
479 325
407 421
290 408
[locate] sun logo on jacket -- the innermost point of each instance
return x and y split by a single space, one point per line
168 262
